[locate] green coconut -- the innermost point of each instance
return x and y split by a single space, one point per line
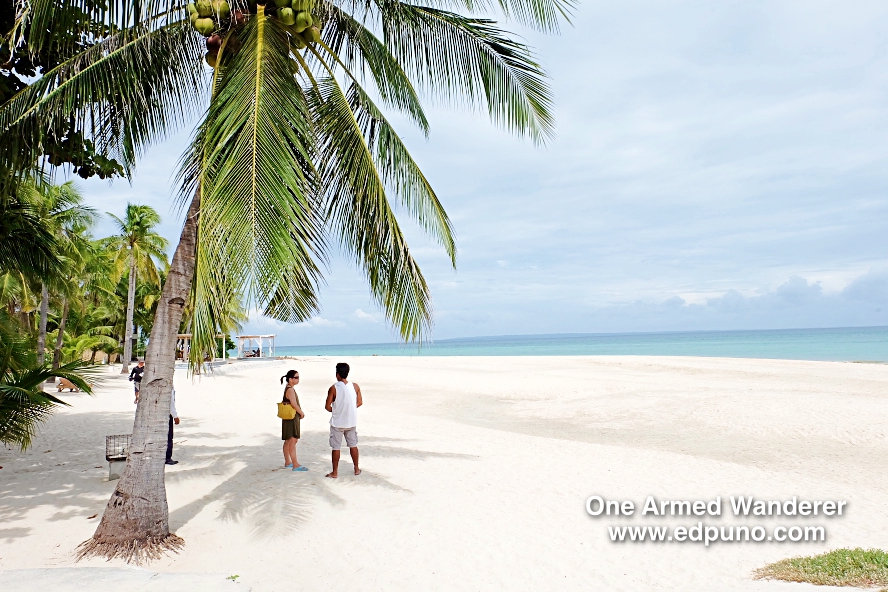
299 42
286 16
205 26
193 18
192 9
204 8
303 5
312 35
303 21
221 8
211 59
282 3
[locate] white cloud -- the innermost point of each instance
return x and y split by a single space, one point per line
717 165
321 322
363 316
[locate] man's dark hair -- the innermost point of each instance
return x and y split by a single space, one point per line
342 369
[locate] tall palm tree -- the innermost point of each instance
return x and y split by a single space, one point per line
138 250
61 207
88 279
292 153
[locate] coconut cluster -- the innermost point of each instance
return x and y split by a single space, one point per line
297 14
209 17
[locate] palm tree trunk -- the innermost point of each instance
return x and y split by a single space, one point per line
130 307
135 524
57 353
41 335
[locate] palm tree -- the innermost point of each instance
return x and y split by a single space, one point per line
17 296
138 248
89 271
61 208
292 153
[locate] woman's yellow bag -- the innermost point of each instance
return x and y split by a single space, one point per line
286 411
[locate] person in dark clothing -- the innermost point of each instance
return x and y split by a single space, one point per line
136 378
174 419
290 432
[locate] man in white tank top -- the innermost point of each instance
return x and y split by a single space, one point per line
343 400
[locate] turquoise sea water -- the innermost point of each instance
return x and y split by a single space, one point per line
837 344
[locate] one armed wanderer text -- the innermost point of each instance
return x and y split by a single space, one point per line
740 506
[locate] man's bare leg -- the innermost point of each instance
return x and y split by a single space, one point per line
354 455
335 473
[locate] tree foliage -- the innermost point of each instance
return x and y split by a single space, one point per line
24 403
293 154
71 31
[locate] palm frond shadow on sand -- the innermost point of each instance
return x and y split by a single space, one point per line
267 496
66 468
256 492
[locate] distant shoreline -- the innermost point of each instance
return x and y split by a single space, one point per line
840 344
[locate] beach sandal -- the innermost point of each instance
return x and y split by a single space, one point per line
287 466
301 468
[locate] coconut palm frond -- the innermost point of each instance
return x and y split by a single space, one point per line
137 240
261 222
472 60
23 402
540 15
29 245
94 18
128 91
358 47
75 347
400 172
360 215
149 252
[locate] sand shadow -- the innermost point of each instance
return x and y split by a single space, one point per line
413 453
65 468
8 534
272 500
66 471
276 501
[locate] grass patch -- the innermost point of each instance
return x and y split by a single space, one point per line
864 568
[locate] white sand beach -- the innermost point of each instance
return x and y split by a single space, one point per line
476 472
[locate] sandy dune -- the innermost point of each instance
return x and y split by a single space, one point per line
476 472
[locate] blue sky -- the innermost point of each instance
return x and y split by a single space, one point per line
718 165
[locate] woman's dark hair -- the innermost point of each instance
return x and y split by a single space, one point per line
290 374
342 369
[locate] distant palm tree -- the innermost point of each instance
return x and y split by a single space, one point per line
18 297
88 278
138 249
62 210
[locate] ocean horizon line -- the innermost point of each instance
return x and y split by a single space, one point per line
864 344
587 334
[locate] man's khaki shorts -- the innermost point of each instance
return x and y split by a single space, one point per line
351 437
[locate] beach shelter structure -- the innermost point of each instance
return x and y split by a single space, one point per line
249 345
183 346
